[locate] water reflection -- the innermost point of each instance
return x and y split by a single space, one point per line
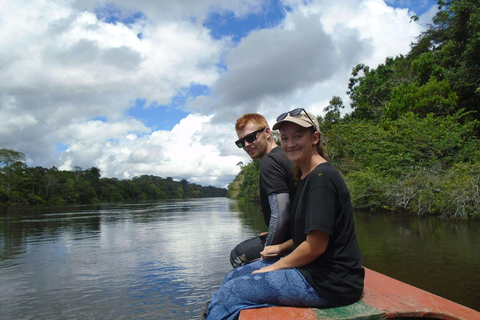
152 260
250 215
437 255
144 260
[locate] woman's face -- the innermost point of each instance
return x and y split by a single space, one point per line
297 142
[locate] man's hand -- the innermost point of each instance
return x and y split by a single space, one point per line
271 251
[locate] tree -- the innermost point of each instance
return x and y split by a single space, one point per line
249 189
332 115
454 40
412 163
50 182
8 159
370 89
434 97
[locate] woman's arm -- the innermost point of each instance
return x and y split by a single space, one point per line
313 247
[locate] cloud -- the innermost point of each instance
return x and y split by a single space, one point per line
275 63
311 53
185 152
271 65
62 67
70 72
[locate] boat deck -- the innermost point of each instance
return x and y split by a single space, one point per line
383 298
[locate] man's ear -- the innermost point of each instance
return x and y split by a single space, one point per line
269 132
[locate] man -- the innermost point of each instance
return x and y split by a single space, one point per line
277 186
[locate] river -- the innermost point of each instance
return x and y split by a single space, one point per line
163 260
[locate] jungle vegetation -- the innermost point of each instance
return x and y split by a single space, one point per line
20 184
411 142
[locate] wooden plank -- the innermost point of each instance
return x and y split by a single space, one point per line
384 298
398 299
356 311
279 313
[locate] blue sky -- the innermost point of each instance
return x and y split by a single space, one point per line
155 87
165 117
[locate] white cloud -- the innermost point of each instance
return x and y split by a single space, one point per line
185 152
308 59
62 69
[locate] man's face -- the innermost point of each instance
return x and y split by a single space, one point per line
258 148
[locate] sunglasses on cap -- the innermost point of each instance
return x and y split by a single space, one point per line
294 113
250 138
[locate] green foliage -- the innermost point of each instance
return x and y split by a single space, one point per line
9 157
370 89
457 35
367 188
10 161
249 188
21 184
440 75
426 66
423 165
233 188
396 146
434 97
332 115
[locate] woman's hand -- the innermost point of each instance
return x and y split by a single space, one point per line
266 269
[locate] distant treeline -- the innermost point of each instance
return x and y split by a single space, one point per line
20 184
411 142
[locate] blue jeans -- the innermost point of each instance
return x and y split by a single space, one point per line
243 290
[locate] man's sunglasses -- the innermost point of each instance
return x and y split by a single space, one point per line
294 113
250 138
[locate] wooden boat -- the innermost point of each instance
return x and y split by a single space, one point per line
383 298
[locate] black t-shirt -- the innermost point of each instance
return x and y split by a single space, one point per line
323 203
276 176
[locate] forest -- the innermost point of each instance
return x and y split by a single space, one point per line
20 184
411 142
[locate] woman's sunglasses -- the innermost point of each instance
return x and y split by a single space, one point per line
294 113
250 138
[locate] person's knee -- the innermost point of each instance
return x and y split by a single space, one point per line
237 259
246 252
233 255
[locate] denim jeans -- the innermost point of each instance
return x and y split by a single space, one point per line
241 289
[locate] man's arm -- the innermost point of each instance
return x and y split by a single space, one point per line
279 226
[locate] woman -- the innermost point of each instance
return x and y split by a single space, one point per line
324 266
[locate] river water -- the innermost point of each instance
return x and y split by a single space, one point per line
163 260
